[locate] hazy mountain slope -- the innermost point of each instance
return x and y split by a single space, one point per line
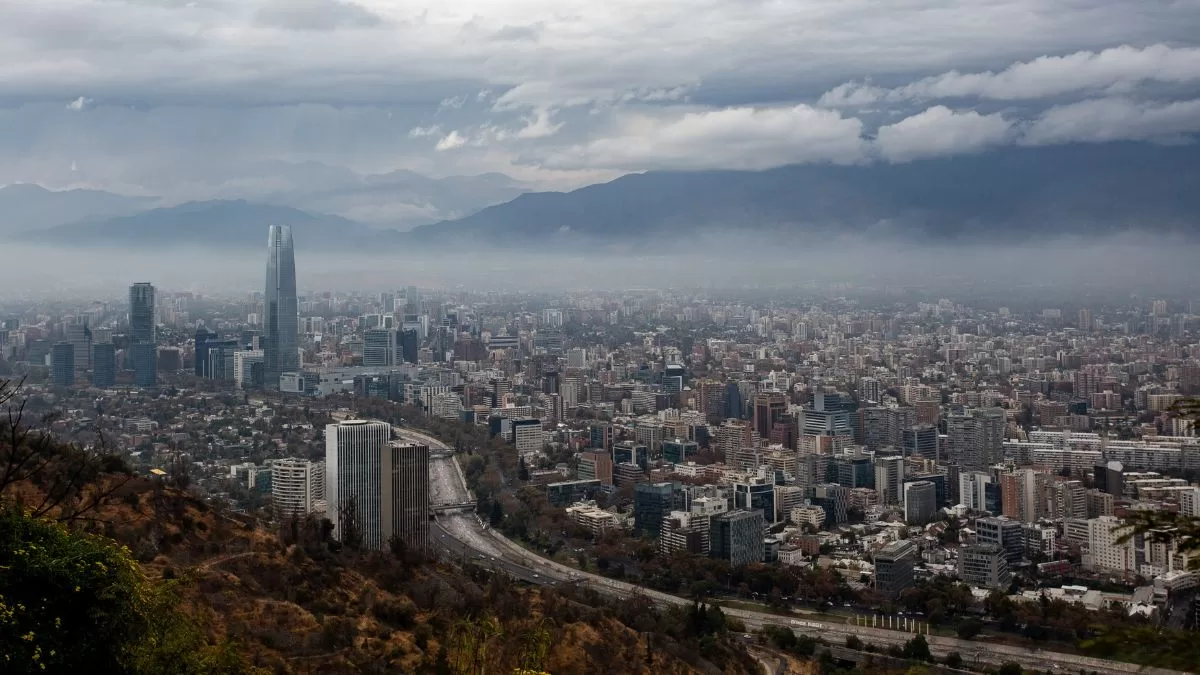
1031 191
25 206
397 199
218 224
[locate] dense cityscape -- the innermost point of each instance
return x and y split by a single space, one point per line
646 337
882 466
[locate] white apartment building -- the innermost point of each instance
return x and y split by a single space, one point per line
1104 553
297 486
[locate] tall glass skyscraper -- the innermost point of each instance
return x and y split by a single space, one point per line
141 313
281 312
142 335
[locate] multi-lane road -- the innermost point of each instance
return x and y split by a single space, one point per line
463 536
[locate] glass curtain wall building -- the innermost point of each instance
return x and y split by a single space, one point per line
280 308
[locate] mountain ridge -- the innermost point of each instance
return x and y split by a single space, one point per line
1089 190
29 206
1072 189
215 224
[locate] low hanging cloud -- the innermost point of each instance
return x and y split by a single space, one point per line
941 131
1118 68
539 125
1115 119
422 132
728 138
451 141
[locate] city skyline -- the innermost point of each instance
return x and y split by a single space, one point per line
707 336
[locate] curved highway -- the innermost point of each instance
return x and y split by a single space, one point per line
463 536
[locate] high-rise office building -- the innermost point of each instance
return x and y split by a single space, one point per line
769 408
406 492
1005 533
80 337
1070 500
827 417
651 503
595 466
1023 495
973 491
737 537
1110 478
408 346
835 499
894 568
678 450
975 439
885 427
755 497
354 468
104 364
1085 320
203 337
922 441
984 565
920 502
143 352
62 364
734 402
281 313
869 390
379 347
601 436
142 326
941 491
144 356
853 471
889 477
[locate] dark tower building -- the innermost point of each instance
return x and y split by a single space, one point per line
735 409
62 364
104 364
280 309
142 335
410 345
203 337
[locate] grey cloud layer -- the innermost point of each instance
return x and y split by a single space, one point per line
542 87
1119 68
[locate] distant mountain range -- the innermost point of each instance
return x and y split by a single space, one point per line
1005 194
394 200
1015 194
216 224
397 200
25 207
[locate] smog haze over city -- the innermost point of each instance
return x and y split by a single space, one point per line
522 337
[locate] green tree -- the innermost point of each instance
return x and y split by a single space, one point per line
969 628
78 602
67 602
918 649
1010 668
954 660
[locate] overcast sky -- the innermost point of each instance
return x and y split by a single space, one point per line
127 94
